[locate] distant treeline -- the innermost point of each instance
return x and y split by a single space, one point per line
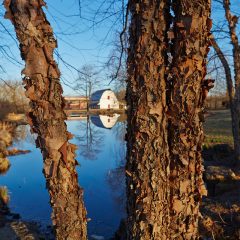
220 101
12 98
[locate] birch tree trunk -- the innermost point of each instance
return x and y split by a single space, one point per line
164 165
147 165
46 118
189 89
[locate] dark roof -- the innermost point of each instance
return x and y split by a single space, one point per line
97 121
98 94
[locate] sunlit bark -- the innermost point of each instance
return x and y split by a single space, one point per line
164 164
46 117
189 88
147 166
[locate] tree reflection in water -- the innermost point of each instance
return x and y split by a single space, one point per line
116 177
89 141
22 134
97 143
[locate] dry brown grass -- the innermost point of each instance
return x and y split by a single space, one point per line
221 208
4 197
4 165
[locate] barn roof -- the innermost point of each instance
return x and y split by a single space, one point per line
101 121
97 121
98 94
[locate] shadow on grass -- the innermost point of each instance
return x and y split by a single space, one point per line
221 208
218 154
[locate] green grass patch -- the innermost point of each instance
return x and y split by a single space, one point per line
218 128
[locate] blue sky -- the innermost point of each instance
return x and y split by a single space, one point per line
223 40
84 39
79 40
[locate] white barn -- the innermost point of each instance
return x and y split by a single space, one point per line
104 121
104 99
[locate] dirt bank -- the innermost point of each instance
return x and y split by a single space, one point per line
21 230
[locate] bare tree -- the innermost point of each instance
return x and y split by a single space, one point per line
46 117
12 98
90 141
87 81
233 88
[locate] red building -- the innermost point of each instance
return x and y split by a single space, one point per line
76 103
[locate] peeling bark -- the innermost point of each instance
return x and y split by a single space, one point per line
164 164
147 165
46 118
188 91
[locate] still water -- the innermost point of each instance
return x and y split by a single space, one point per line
101 155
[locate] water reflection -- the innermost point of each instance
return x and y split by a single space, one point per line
102 179
116 176
22 134
105 121
90 139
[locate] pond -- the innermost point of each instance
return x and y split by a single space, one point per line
101 155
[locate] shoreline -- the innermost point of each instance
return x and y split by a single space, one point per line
12 227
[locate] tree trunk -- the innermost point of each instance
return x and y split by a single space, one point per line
147 165
232 24
231 94
188 91
42 84
165 114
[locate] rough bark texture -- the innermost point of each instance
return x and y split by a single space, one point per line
232 99
47 117
232 24
147 166
164 164
188 91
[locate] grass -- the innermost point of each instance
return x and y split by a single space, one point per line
4 165
218 128
4 197
221 209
